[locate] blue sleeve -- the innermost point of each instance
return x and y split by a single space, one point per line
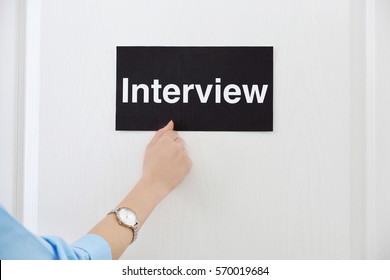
88 247
17 243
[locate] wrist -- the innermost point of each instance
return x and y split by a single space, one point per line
156 189
142 199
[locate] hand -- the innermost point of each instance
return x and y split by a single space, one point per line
166 162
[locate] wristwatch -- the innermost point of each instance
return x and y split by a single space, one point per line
127 218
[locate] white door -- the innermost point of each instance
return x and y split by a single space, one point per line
299 192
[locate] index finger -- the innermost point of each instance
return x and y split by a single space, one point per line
161 131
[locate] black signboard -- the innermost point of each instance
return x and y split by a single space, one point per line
199 88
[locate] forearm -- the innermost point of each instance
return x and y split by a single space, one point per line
166 163
142 199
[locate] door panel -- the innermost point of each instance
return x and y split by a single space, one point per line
285 194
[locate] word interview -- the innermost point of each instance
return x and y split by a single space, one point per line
172 93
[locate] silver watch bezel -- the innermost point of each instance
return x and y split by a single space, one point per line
133 227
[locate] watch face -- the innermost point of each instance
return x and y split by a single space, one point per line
127 216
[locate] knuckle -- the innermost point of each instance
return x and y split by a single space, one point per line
189 163
173 134
181 141
178 146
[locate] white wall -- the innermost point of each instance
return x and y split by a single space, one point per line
9 73
379 123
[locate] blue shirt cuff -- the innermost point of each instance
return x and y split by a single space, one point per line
93 245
